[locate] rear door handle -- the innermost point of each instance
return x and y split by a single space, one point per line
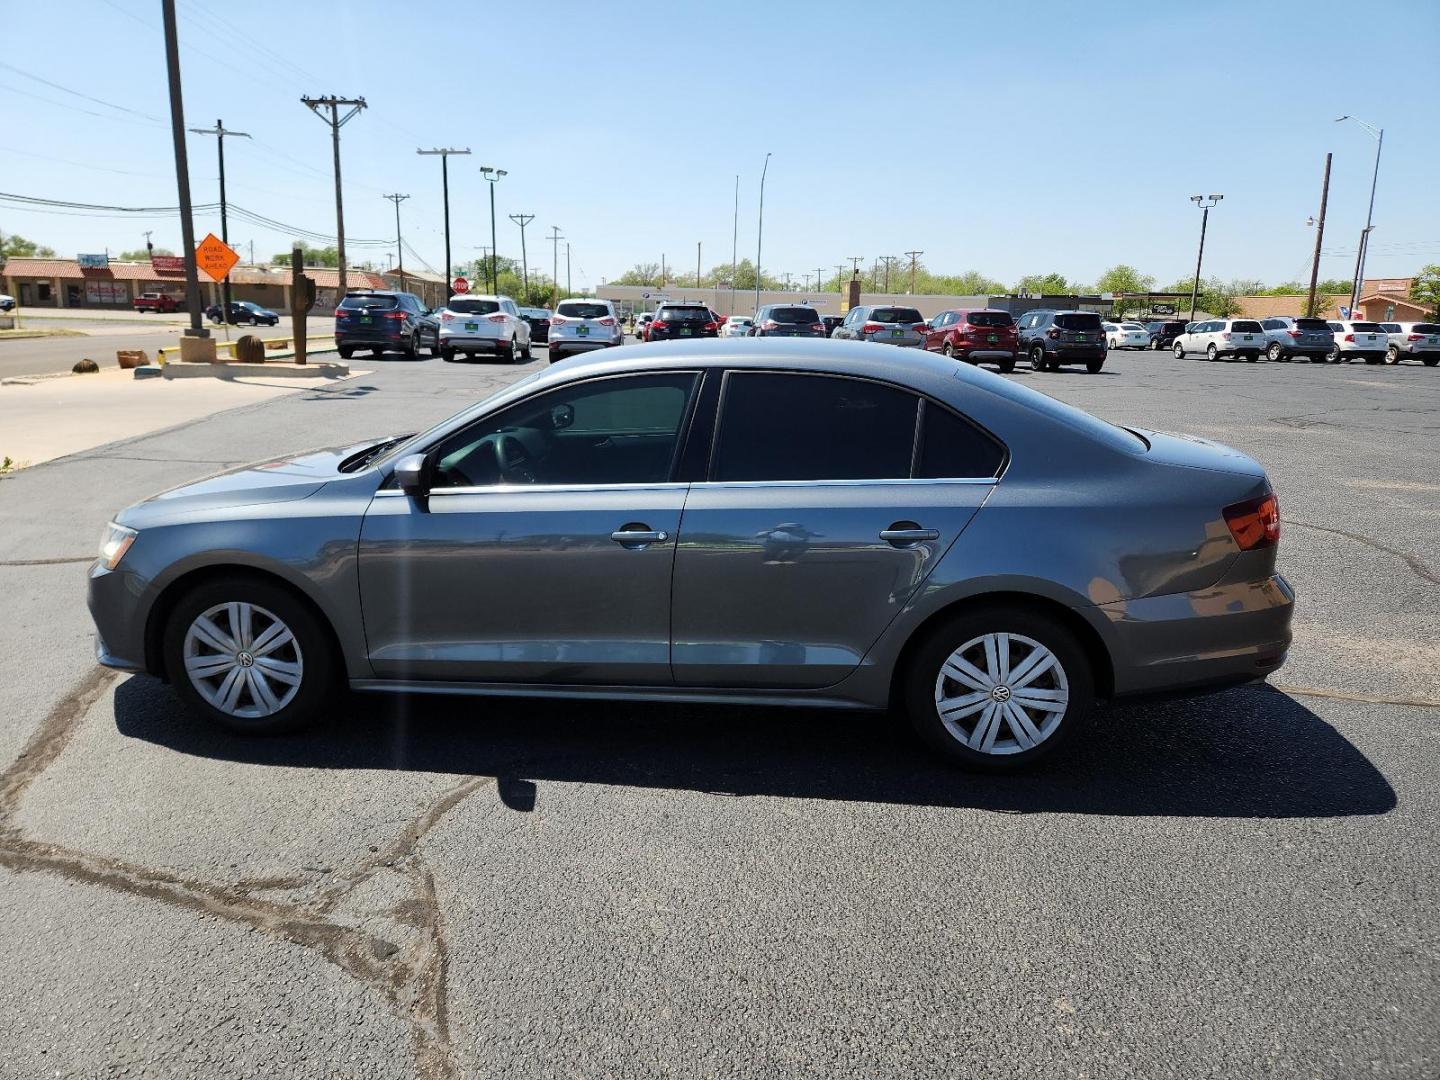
908 536
629 536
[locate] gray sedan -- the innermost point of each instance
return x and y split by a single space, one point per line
776 522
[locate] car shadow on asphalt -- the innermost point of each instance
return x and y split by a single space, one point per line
1250 752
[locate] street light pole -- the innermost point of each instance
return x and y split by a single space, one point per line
522 220
1200 201
555 239
220 132
493 175
445 153
734 243
760 231
1378 134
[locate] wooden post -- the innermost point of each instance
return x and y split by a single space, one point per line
302 299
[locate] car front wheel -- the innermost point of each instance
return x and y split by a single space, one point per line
249 655
997 689
1275 354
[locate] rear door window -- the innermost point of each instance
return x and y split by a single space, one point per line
896 315
1425 328
952 448
812 427
1078 320
474 307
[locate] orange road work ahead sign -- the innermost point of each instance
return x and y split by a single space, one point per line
215 257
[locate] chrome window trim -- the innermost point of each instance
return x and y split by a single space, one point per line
907 481
513 489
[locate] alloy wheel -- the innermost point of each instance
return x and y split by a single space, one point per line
1001 694
243 660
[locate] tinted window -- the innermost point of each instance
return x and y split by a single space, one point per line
683 314
1368 327
1335 325
612 431
1309 324
1246 326
1425 328
473 307
896 315
951 447
1390 327
812 427
989 318
353 303
803 316
575 309
1079 320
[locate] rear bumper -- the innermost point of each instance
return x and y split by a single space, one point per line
1076 354
665 335
985 354
471 343
576 345
362 337
1193 641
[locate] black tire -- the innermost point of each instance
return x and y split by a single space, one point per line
948 351
1094 366
412 347
435 345
1333 356
1250 358
922 673
529 353
1375 359
1430 361
1178 350
1007 365
1275 354
1037 358
1392 354
345 351
515 351
254 321
1317 358
313 645
1154 344
1211 352
554 355
447 354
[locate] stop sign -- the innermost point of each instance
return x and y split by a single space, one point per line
460 285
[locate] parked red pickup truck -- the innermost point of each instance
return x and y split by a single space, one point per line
156 301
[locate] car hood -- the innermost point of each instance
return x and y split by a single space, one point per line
285 479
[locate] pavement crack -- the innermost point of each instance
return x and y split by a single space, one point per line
1347 695
1412 561
406 960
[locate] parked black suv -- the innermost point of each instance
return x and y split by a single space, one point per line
787 320
683 321
379 320
1163 334
1053 338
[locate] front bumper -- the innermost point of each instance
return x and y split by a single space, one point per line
1225 634
117 605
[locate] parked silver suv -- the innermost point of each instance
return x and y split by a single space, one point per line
1288 336
1413 341
1227 339
883 323
582 325
483 325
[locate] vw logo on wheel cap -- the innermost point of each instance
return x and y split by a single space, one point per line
1000 693
244 659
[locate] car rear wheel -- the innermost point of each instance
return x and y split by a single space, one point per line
514 350
1007 365
997 689
949 351
1392 355
1333 356
412 347
1211 352
345 351
249 655
447 354
1378 358
1275 354
1037 358
1179 351
529 353
1094 366
1430 361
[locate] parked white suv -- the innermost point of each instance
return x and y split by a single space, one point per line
1356 340
582 326
1216 338
1414 341
483 325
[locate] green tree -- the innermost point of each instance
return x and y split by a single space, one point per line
326 256
1045 285
640 274
1124 279
17 246
141 254
1425 289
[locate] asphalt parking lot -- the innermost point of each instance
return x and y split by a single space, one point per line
1236 886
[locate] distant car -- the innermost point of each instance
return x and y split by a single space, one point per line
903 326
539 320
1288 336
1163 332
736 326
378 320
1222 339
682 321
1052 339
1126 335
243 311
156 301
831 322
582 325
1414 341
975 336
787 320
474 325
7 302
642 324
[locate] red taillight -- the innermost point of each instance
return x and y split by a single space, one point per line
494 318
769 324
607 321
1350 337
445 316
872 328
557 320
1255 523
658 325
1226 336
1293 333
712 326
920 326
818 326
394 314
1415 337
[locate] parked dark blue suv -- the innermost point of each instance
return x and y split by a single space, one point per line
379 320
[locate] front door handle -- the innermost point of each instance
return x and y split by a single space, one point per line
638 535
913 535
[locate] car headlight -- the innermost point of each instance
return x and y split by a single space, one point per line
114 543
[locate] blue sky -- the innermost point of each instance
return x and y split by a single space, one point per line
1009 139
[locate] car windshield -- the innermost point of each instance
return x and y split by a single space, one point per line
989 318
896 315
359 303
684 314
576 309
466 306
794 315
1079 320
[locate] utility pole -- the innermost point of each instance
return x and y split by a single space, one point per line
913 256
1200 201
840 279
734 243
568 291
819 277
662 271
697 265
522 220
888 260
555 239
182 169
855 261
445 153
219 132
149 247
806 275
336 122
493 175
760 231
1319 236
397 199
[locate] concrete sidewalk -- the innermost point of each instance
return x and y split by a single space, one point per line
56 417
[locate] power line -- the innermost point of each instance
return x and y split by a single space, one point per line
77 93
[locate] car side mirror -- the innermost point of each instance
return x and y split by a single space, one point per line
562 416
410 474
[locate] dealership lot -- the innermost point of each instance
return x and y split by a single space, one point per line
1241 885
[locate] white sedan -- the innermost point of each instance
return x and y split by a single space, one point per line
736 326
1127 335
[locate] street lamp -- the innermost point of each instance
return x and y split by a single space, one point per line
492 175
1204 202
760 231
1378 134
